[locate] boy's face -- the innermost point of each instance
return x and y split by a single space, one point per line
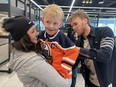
52 24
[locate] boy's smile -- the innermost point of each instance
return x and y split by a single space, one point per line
52 24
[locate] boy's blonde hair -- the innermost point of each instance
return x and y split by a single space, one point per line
54 11
79 13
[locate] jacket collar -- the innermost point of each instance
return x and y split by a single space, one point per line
92 32
50 37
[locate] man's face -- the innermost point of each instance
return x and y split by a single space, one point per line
52 24
78 25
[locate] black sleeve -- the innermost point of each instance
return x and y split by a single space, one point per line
104 53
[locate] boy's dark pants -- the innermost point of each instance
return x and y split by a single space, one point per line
74 76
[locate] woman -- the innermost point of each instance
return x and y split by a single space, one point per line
27 57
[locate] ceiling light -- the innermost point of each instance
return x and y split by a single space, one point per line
70 9
36 4
90 1
83 1
71 5
87 1
101 2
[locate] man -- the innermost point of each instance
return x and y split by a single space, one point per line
97 51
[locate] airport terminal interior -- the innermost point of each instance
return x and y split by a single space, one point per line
101 13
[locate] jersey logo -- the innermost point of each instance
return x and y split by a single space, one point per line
53 46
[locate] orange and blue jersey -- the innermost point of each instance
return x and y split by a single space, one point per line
63 52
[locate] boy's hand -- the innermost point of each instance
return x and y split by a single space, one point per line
78 48
50 60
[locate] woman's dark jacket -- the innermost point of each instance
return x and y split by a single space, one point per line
103 54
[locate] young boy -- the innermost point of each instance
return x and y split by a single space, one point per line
62 50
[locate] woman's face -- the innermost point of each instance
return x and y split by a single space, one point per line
33 34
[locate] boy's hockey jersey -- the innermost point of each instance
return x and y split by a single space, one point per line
63 52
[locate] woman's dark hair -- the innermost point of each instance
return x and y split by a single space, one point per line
26 45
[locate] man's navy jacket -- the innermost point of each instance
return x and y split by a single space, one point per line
103 54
